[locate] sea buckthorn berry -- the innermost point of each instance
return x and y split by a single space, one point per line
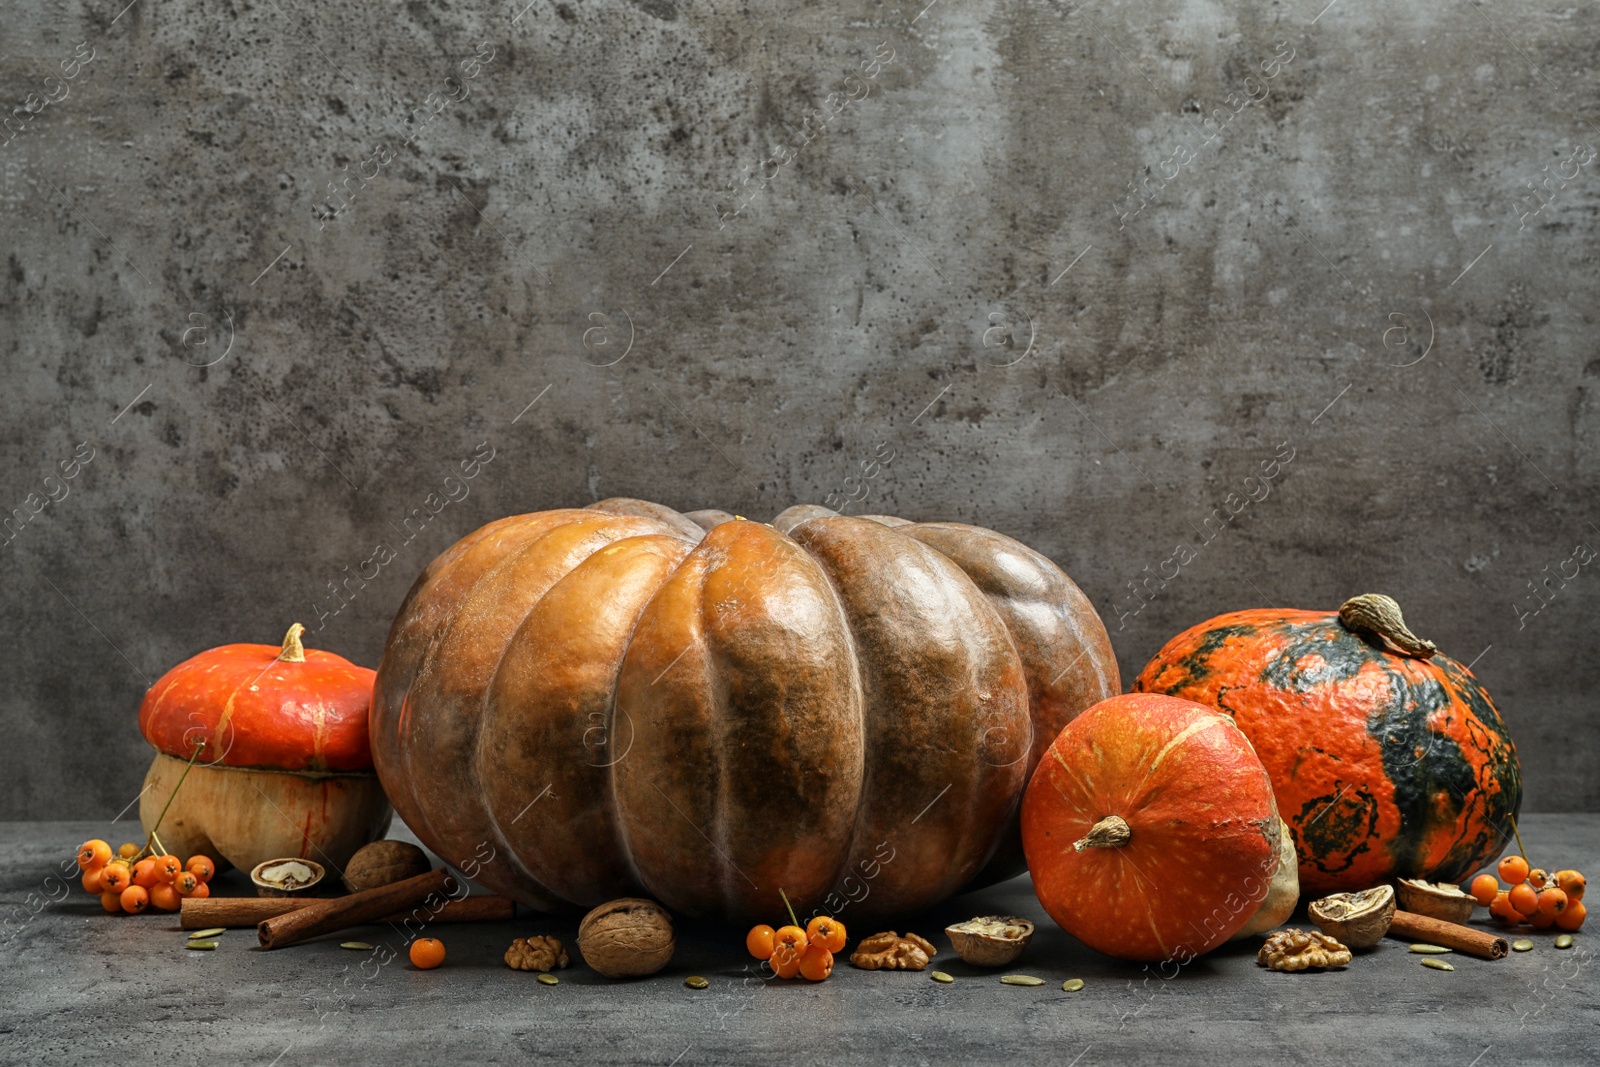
427 953
1538 877
200 892
786 961
1514 870
92 879
816 962
186 883
163 896
93 853
145 872
1500 907
202 867
112 902
127 850
1524 899
1552 901
826 931
1572 917
1571 883
167 867
1484 887
1541 922
115 877
759 941
135 899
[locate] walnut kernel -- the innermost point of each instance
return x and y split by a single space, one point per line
1299 950
541 953
889 951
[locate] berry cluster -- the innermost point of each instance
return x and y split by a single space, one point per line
794 952
131 881
1536 897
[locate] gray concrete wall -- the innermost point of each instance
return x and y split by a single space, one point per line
1071 272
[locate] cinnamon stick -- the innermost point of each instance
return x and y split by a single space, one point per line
1409 926
234 912
422 896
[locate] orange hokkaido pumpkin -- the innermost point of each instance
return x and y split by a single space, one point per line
1388 757
617 701
1150 829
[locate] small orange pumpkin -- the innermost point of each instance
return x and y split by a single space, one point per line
1388 757
1150 829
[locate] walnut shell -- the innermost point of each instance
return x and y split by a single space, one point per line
626 938
1437 900
384 862
990 940
1357 919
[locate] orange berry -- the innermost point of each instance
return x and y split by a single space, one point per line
112 902
145 872
167 867
427 953
1484 887
1571 883
135 899
115 877
200 892
127 850
91 880
1524 899
1552 901
788 943
163 896
826 931
93 853
186 883
202 867
759 941
816 962
1541 922
1538 877
1572 918
1500 907
1514 870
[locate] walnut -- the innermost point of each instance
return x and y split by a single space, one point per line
536 954
890 952
383 863
626 937
1297 950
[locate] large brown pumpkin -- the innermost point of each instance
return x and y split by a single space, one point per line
617 701
1388 757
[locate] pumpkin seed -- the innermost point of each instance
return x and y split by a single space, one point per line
940 976
1564 941
1438 965
204 946
1072 985
359 946
1430 950
1522 946
1021 979
201 935
548 979
694 981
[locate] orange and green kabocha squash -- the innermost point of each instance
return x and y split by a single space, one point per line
1388 757
1151 831
622 700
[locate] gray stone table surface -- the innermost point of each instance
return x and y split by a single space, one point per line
84 987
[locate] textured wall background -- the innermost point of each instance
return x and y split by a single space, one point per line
274 269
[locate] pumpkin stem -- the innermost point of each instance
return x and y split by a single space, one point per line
293 650
1110 832
1379 615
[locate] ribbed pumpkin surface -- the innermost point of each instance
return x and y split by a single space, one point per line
615 701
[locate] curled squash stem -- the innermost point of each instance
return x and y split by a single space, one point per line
1110 832
1379 616
293 650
